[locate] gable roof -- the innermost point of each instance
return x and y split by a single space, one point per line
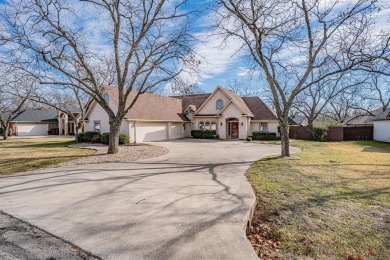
260 110
238 101
296 120
195 100
151 107
36 115
363 119
385 115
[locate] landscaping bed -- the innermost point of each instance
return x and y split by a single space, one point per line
331 203
127 153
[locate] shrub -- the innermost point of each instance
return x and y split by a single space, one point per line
87 136
123 138
319 134
249 138
105 138
263 136
54 131
96 138
206 134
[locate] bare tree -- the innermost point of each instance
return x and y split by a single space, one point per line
376 94
15 89
313 101
70 100
343 106
290 40
243 87
143 45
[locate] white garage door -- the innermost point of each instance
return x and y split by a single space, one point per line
146 132
176 131
32 129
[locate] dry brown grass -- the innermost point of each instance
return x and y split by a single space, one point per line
19 155
334 203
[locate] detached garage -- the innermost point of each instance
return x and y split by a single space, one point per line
382 127
34 122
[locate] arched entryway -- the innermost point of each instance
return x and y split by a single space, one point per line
232 128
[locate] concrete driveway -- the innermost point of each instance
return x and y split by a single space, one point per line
192 203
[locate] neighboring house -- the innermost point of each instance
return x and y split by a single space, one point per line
36 122
362 120
297 120
382 126
155 117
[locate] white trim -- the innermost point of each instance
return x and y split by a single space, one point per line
146 120
212 94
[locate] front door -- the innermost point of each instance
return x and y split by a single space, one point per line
234 134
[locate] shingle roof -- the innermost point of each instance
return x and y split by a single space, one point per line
297 119
363 119
155 107
196 100
259 109
238 101
151 106
36 115
385 115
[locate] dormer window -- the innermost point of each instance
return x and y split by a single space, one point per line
106 97
219 104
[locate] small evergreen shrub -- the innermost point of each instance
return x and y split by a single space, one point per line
123 138
87 136
263 136
249 138
105 138
96 139
319 134
206 134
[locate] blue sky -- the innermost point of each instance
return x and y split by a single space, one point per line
220 65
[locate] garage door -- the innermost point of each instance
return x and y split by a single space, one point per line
31 129
146 132
176 132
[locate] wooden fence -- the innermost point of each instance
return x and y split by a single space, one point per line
334 133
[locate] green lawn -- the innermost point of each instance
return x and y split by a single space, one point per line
331 203
18 155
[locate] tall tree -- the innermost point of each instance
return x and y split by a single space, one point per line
313 101
15 89
290 40
142 44
70 100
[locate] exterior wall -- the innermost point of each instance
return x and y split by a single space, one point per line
382 131
99 114
272 127
233 112
210 107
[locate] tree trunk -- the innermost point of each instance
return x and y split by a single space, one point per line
285 141
113 144
5 131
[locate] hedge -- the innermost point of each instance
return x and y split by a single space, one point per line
320 134
206 134
263 136
123 138
87 136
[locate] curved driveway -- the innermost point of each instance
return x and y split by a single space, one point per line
192 203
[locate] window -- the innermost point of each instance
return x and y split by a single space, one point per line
213 126
263 127
219 104
96 126
106 97
201 125
207 126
